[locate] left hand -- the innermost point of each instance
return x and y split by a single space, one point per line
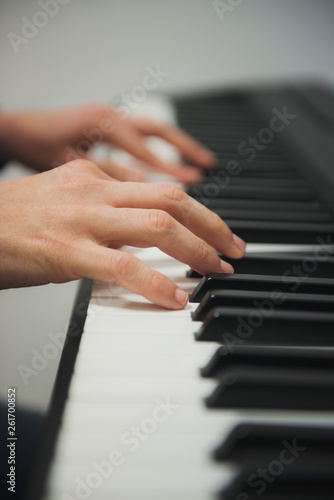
43 139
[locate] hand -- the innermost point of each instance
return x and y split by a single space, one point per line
45 139
68 223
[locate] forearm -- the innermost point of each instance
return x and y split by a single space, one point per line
22 138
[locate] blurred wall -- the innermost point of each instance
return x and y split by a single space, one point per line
86 50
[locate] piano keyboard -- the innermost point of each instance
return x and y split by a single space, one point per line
231 397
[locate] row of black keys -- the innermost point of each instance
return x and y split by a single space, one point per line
279 462
272 327
264 199
282 302
292 317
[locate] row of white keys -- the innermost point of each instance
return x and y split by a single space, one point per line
137 390
137 367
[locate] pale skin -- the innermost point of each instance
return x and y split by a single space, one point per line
72 221
44 139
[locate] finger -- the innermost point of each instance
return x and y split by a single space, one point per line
126 270
119 172
128 138
157 228
196 217
187 146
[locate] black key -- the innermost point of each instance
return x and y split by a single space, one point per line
257 356
281 232
263 205
291 482
220 146
233 122
269 166
193 274
263 157
284 284
269 301
212 190
220 133
253 443
269 175
274 215
257 326
220 177
272 175
318 265
273 389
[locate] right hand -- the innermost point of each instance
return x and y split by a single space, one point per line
69 223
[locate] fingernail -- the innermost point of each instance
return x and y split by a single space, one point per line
241 244
181 297
226 267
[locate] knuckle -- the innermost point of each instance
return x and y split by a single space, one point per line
218 226
77 188
87 166
74 182
70 183
159 220
172 193
79 165
204 251
156 282
227 233
217 222
69 167
124 266
65 170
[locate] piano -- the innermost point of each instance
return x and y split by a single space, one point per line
232 397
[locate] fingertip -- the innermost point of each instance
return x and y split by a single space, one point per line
206 157
181 298
226 267
240 244
189 175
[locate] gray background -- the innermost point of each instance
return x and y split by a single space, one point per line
92 51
